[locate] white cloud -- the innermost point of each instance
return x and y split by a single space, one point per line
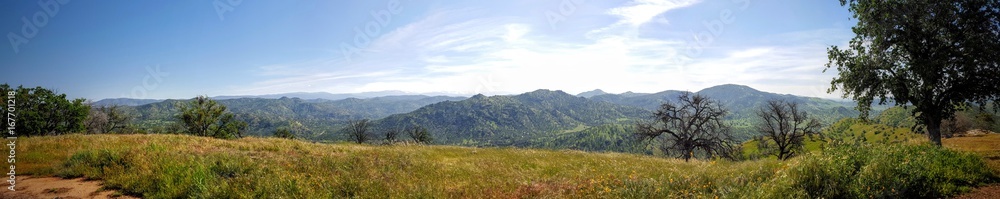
449 51
642 11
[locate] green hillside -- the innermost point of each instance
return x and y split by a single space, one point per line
506 120
313 118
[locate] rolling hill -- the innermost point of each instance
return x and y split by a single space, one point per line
505 120
511 120
311 118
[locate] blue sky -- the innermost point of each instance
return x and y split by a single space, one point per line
184 48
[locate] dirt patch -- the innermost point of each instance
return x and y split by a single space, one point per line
51 187
992 191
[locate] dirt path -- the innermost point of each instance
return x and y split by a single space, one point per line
51 187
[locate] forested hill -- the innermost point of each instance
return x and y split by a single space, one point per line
740 100
510 120
502 120
310 118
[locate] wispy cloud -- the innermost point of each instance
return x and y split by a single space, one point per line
456 50
642 11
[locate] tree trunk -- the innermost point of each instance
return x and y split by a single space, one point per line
934 130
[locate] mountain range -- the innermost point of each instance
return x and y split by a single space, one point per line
519 120
536 118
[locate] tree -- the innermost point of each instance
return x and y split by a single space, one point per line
109 119
97 122
40 111
694 125
782 124
420 135
284 133
204 117
358 130
958 124
390 135
933 55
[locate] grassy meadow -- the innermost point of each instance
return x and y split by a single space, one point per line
172 166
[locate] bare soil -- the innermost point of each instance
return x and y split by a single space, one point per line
991 191
51 187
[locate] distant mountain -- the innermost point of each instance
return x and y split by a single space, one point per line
313 117
124 102
740 100
504 120
592 93
743 101
318 95
528 119
336 96
642 100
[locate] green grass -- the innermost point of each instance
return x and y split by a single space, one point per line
848 131
170 166
578 128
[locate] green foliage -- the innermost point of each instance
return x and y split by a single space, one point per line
420 135
204 117
615 137
309 119
39 111
899 117
888 171
507 120
284 133
935 55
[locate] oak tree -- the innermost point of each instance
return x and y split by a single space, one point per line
784 128
933 55
692 126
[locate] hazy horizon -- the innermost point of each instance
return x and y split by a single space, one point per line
181 49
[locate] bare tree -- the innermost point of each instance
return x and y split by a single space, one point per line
694 126
97 122
109 119
956 125
358 130
783 128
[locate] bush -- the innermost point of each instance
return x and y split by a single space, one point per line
94 163
895 171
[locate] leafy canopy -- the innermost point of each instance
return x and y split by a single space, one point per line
204 117
934 55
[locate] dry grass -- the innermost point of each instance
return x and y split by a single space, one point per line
170 166
987 145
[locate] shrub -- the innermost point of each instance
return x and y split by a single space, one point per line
896 171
